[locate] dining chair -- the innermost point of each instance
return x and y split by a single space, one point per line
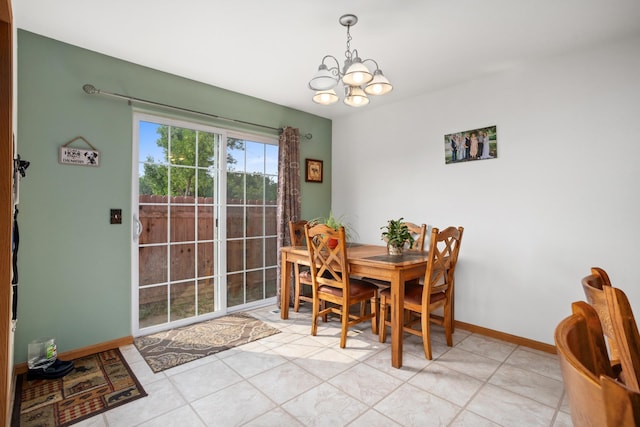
626 335
333 290
302 274
419 233
583 357
593 286
436 292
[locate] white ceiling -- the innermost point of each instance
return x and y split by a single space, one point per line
270 49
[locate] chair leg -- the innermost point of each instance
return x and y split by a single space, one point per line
452 308
296 301
344 316
323 305
374 312
426 338
382 329
314 316
448 324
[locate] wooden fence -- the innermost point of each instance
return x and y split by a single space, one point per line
181 226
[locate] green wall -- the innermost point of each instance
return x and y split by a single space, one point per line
74 267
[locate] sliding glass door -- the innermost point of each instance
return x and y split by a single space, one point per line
204 238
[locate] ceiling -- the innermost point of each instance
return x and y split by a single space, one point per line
270 49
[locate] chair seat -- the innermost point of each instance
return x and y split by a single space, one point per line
413 294
359 288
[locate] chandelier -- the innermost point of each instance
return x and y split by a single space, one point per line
356 77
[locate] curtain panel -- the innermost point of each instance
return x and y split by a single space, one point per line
289 196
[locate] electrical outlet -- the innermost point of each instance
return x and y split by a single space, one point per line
116 216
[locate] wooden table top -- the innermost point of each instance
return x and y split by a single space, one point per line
374 254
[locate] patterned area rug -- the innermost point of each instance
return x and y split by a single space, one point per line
167 349
97 383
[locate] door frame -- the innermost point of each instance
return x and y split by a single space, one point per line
6 193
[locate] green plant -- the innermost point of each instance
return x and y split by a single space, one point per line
335 222
396 233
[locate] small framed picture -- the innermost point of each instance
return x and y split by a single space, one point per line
314 170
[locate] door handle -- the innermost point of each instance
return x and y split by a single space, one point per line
138 225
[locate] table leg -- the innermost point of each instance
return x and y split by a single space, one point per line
285 286
397 319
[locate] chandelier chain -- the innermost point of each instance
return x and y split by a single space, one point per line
347 53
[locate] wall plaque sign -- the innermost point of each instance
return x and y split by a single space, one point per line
78 156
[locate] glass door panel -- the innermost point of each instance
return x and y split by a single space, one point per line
177 210
251 220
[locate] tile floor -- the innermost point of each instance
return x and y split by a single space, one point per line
294 379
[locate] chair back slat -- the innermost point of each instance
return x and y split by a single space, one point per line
626 335
593 286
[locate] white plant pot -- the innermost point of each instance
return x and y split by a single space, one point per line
393 250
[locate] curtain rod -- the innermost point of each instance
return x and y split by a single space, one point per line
92 90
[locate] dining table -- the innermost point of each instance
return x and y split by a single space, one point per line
371 261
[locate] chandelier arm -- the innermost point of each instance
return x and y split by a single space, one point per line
372 60
334 70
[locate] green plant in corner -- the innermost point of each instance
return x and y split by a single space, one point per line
396 234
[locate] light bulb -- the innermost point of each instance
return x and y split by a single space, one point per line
325 97
355 97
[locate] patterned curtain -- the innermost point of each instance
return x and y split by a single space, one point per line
289 197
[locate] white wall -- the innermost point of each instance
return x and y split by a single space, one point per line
561 197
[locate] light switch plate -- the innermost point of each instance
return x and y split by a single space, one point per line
116 216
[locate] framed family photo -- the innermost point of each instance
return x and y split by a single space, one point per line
313 170
471 145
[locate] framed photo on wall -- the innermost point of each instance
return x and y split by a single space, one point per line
471 145
313 170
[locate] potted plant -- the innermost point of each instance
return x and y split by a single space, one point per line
396 234
334 222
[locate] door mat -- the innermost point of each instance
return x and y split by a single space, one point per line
174 347
96 384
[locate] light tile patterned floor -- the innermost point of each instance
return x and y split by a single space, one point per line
294 379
